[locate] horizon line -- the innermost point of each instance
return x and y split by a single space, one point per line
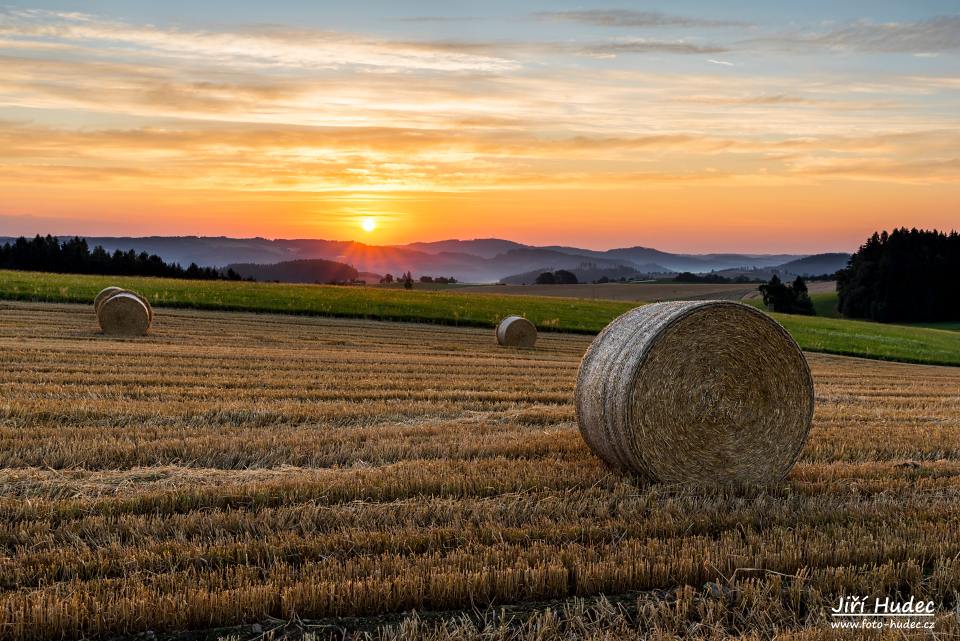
444 240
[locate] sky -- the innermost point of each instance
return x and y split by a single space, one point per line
754 126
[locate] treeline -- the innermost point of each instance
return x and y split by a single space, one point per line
787 299
559 277
690 277
309 270
904 276
74 256
403 278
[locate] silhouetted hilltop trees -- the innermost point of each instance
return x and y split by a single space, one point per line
310 270
559 277
688 277
74 256
788 299
906 275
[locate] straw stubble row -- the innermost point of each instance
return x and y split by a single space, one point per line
124 509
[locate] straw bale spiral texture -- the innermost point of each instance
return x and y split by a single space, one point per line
710 392
145 301
107 292
104 294
516 331
124 314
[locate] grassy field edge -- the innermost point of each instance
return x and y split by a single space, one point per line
864 339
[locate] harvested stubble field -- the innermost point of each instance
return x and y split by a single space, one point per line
233 468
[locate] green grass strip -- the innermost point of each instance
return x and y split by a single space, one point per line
831 335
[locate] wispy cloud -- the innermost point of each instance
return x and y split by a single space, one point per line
921 37
250 157
886 170
720 62
256 46
641 46
631 18
438 19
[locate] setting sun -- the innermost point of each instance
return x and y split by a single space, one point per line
368 224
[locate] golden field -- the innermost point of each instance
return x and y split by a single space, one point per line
238 468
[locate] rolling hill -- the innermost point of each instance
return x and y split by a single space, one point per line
816 265
483 260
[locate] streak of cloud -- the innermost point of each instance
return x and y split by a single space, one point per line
631 18
269 46
924 37
641 46
437 19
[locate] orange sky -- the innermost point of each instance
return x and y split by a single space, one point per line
113 127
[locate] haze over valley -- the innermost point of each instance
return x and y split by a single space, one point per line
486 260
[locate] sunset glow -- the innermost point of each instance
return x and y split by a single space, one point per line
693 130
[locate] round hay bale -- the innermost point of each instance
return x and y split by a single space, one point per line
104 294
711 392
145 301
124 314
516 331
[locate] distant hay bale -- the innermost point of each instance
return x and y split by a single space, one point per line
145 301
516 331
124 314
107 292
711 392
104 294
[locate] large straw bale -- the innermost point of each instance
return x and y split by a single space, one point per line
124 314
516 331
710 392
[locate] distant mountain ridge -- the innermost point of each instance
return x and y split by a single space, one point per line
817 264
482 260
483 247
